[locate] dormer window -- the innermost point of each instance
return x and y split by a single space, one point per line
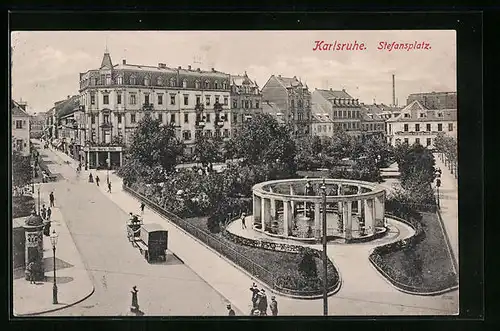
103 78
207 84
184 83
423 115
224 85
146 81
197 84
132 80
119 80
216 85
172 82
440 114
406 115
159 81
108 79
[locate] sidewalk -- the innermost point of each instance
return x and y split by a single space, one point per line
73 282
448 201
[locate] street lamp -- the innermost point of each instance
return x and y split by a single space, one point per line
53 239
325 258
38 199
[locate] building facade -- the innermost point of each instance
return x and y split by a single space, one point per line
372 124
37 123
337 111
245 99
20 128
435 100
417 124
116 97
293 99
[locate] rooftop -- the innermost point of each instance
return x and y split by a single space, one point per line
416 112
334 94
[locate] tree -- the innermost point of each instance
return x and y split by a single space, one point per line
309 152
154 144
263 140
417 160
21 170
208 150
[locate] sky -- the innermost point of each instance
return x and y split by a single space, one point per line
46 64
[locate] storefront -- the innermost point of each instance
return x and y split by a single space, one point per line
103 157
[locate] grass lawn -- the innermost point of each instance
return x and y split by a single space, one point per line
276 263
426 267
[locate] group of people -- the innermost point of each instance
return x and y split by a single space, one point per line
260 304
98 180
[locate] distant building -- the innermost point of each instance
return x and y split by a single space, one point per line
335 110
71 127
272 109
417 124
435 100
372 124
37 123
246 101
20 128
293 99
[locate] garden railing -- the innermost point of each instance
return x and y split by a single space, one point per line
210 240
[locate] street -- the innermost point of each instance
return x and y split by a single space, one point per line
98 229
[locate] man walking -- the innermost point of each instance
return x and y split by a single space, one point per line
273 306
43 212
230 311
49 213
51 198
97 180
262 305
255 296
109 187
243 225
142 208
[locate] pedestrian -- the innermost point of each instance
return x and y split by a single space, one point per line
243 225
109 187
91 178
43 212
142 208
230 311
97 180
51 198
274 306
135 302
49 213
255 295
30 269
262 304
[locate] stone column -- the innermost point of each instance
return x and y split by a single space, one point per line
265 212
369 217
292 203
109 158
348 219
359 201
121 158
286 217
317 220
273 206
257 206
379 211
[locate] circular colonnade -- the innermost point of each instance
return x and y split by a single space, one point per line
293 209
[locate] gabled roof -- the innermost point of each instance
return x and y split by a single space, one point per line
288 82
17 110
415 109
334 94
240 80
67 106
368 116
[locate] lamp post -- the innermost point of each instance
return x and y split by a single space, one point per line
53 239
38 199
325 258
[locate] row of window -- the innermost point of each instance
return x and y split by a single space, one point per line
119 117
147 99
422 115
346 114
299 103
20 124
160 81
247 104
345 126
428 141
427 127
187 134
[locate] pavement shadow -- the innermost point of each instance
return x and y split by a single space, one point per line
48 263
59 280
171 260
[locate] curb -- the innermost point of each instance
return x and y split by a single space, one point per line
448 244
58 308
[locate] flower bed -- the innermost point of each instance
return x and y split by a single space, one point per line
270 263
420 264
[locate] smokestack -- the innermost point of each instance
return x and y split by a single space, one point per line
393 90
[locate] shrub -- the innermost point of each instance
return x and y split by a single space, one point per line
22 206
307 265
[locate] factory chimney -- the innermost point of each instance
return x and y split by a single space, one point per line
393 90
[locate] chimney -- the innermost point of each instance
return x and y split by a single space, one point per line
393 90
189 67
330 89
162 65
124 61
213 69
179 68
279 76
68 96
343 90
